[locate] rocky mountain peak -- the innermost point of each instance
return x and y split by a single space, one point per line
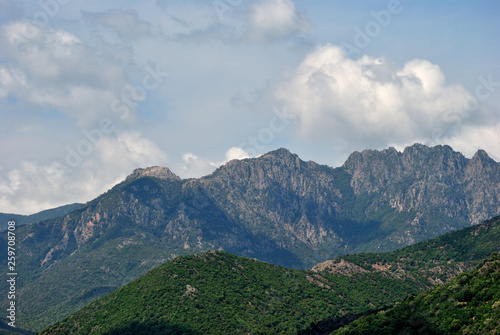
281 153
417 148
366 156
482 156
153 171
272 162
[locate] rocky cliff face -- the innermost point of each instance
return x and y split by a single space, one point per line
482 187
438 188
378 200
279 195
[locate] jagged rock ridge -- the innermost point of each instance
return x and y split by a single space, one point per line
154 171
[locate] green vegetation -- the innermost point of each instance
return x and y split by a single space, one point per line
468 304
436 260
219 293
389 277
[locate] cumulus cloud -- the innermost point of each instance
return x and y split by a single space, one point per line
271 20
32 186
57 79
195 166
370 101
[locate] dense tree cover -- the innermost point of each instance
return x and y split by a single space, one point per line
219 293
467 304
436 260
467 244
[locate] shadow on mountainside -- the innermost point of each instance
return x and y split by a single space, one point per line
328 325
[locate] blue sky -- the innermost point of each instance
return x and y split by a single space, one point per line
90 90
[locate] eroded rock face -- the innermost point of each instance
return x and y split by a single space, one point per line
428 181
277 193
338 267
377 201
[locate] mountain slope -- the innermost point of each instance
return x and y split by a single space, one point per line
425 264
377 201
276 208
218 293
431 262
468 304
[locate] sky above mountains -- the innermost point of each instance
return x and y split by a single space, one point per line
90 90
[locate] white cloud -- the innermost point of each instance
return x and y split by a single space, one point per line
236 153
195 166
271 20
370 101
232 22
31 187
61 79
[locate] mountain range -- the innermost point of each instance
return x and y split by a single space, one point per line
276 208
41 216
219 293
